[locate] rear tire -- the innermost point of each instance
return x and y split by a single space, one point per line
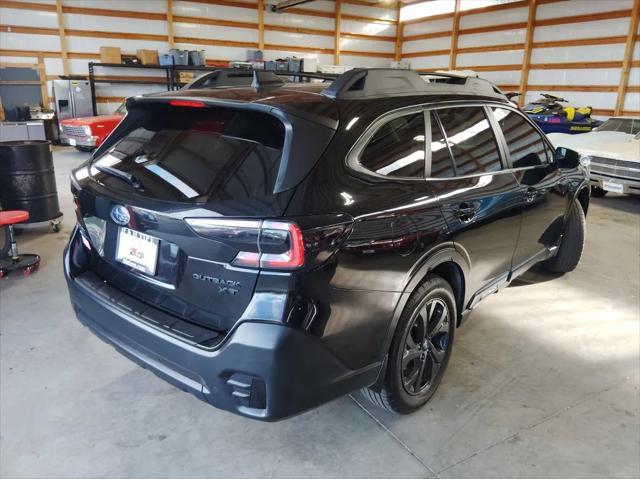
598 192
570 250
420 349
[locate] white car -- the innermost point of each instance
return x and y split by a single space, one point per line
614 152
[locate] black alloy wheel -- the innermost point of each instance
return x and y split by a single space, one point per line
425 346
420 349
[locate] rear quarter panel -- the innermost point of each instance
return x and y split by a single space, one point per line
356 293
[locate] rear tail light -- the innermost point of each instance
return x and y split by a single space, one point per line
261 244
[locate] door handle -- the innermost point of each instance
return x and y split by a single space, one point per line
465 212
530 195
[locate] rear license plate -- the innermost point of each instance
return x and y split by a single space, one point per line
137 250
612 186
72 142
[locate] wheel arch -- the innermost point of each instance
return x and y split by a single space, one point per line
452 273
583 196
446 262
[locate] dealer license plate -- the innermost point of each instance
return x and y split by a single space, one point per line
137 250
72 141
612 186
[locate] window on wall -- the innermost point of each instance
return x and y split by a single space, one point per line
471 140
526 146
426 9
397 148
431 8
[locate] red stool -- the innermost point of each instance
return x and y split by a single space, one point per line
10 260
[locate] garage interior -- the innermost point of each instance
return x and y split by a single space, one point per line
544 377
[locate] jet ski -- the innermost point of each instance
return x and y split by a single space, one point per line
553 117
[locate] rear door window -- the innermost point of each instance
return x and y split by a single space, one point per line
397 148
196 154
526 146
471 140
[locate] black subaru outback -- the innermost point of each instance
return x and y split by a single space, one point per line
271 247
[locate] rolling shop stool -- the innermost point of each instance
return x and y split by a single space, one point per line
10 260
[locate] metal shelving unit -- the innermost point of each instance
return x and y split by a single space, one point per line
168 79
176 69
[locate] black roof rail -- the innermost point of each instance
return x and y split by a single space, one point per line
357 83
362 83
231 77
372 82
317 76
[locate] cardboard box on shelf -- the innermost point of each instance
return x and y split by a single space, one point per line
309 65
147 57
334 69
186 77
401 65
110 55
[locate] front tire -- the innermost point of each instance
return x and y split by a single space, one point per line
420 349
598 192
570 250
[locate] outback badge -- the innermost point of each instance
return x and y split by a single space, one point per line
225 286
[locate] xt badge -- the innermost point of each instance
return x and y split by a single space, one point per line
225 286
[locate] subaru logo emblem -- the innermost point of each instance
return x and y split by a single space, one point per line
120 215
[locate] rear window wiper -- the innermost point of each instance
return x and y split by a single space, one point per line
122 175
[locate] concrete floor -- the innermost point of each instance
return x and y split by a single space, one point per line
543 382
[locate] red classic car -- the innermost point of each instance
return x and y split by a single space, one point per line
88 133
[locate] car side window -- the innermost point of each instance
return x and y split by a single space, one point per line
471 140
441 161
397 148
526 146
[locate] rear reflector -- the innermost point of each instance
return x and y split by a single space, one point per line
265 244
187 103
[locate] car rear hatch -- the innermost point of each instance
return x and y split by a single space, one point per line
175 203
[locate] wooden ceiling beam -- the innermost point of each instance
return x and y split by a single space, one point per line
453 54
63 37
261 7
399 34
526 63
337 15
628 57
170 36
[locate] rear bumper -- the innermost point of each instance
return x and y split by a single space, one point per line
262 370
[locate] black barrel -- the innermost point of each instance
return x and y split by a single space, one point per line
27 179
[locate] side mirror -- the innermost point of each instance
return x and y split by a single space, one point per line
566 158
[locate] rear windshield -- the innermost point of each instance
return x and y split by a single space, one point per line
193 154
